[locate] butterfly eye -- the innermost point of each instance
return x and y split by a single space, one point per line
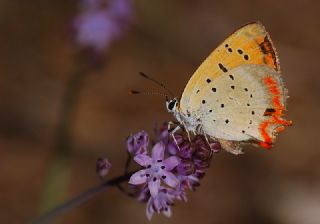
171 105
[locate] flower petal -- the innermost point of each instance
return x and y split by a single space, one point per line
157 203
143 195
171 162
172 148
170 179
154 185
150 210
143 160
158 151
138 177
167 211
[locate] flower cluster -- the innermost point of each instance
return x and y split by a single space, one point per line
101 22
170 170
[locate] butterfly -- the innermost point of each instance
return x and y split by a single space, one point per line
237 94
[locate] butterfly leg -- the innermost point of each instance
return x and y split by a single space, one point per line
172 131
174 138
178 127
207 140
188 134
186 130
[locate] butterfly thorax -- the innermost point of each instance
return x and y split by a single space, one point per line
190 123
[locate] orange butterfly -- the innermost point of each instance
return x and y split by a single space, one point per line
237 94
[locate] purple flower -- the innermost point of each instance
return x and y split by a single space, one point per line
186 167
180 167
143 194
161 203
99 24
138 143
90 3
103 167
156 169
162 133
189 182
95 30
121 10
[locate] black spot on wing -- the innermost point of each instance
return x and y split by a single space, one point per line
267 49
246 57
269 112
224 69
229 48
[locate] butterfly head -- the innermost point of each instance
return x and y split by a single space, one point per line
172 105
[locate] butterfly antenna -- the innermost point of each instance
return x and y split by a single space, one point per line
156 82
135 92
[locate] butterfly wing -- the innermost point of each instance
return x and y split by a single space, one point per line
237 92
247 104
250 44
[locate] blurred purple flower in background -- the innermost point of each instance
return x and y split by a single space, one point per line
179 168
101 22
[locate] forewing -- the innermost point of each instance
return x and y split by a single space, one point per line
250 44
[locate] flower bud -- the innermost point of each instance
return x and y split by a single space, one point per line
103 167
202 164
215 147
186 168
203 153
138 143
186 150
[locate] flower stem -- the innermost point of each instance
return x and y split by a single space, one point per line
59 169
85 196
127 165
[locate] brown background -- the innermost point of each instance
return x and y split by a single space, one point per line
168 40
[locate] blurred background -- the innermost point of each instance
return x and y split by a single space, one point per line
60 112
